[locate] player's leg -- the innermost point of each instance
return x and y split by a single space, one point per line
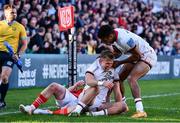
6 71
148 60
87 98
123 74
66 104
139 70
64 110
109 109
53 89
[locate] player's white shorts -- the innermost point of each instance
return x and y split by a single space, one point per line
69 100
149 57
97 102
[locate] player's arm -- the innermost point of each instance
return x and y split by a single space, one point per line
116 91
77 85
90 79
72 88
23 41
18 54
108 97
116 52
135 56
23 47
89 75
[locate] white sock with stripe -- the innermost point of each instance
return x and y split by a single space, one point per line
124 99
139 105
99 113
79 107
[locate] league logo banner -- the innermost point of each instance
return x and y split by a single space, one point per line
66 17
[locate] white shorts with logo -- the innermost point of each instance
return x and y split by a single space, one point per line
69 100
149 57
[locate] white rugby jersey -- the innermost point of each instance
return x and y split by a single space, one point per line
126 40
101 75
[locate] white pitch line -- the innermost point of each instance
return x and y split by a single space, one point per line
150 96
160 120
157 108
172 109
17 112
6 113
158 95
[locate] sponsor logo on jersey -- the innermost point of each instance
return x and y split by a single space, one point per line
131 43
14 28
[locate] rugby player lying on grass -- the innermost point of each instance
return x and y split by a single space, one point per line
66 99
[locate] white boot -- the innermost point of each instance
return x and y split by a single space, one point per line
26 109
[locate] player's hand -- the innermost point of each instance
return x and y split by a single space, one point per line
102 106
15 57
80 83
108 84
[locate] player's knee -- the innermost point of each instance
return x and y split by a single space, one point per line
53 86
118 106
123 106
4 78
95 89
131 79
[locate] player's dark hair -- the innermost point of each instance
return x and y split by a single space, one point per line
107 54
104 31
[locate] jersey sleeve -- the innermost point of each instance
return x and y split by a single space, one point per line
127 41
23 35
128 44
91 69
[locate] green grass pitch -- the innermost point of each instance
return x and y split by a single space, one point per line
161 99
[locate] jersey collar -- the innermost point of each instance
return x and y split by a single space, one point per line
10 23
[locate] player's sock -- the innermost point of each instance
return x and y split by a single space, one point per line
139 105
42 111
38 101
63 111
79 107
98 113
3 89
124 99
